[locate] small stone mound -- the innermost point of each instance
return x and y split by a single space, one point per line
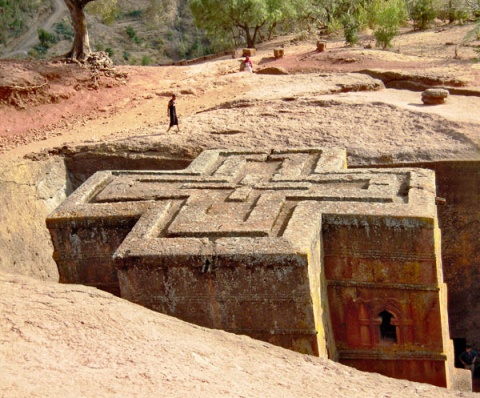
248 52
434 96
278 53
273 70
321 45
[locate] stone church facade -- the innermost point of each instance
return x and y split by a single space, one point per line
286 246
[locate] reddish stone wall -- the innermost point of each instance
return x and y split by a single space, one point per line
267 298
459 219
409 369
385 264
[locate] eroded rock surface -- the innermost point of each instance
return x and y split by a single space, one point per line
75 341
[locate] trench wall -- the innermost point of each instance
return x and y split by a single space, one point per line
29 191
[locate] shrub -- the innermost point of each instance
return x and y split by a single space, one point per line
109 51
131 32
146 60
64 30
334 26
39 50
473 34
389 15
133 14
350 29
422 14
133 35
46 38
107 11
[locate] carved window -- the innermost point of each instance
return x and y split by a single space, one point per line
388 331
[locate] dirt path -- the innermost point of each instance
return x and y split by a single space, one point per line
29 39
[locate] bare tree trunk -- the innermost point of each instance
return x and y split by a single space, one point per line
248 37
270 30
81 44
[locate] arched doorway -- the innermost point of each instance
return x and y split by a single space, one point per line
388 331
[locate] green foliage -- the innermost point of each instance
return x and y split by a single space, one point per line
460 16
350 29
39 51
64 30
110 52
423 14
126 55
43 36
133 35
334 26
473 34
245 21
349 15
46 38
107 10
456 10
134 14
146 60
131 32
388 16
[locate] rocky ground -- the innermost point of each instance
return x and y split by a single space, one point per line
59 340
73 341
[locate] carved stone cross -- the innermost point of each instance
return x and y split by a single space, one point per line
285 246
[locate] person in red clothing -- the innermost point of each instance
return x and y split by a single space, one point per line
248 64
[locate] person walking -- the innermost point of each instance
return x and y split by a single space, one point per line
172 113
248 64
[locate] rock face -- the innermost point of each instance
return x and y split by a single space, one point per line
284 246
459 183
75 341
30 191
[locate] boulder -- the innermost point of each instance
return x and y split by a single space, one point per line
434 96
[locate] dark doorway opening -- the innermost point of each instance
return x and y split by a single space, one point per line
388 332
458 347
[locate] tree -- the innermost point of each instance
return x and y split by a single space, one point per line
351 15
242 19
423 14
81 43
